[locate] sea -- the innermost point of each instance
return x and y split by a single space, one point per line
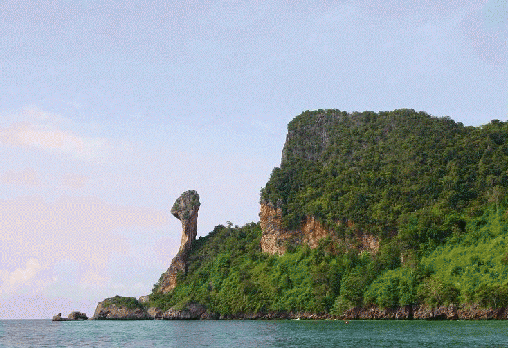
253 333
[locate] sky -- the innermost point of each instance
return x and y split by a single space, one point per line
109 110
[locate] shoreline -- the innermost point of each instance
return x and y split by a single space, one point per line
415 312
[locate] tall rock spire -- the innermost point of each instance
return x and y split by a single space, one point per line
185 209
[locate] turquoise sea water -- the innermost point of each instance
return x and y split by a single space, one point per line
237 333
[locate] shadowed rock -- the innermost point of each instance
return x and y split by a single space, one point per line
58 317
185 209
190 312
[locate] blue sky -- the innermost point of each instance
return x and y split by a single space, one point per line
109 110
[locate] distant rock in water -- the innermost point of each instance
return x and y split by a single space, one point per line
186 210
58 317
77 316
73 316
120 308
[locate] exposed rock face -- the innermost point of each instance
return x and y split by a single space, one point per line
369 243
77 316
58 317
462 313
275 237
186 210
423 312
313 232
144 299
316 132
191 311
107 309
405 312
155 313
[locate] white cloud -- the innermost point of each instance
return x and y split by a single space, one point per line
83 231
52 139
36 129
10 281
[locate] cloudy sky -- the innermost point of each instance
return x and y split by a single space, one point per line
109 110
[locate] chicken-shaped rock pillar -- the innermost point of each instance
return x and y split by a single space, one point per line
185 209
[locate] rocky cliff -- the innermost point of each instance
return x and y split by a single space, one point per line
346 183
423 312
275 238
186 210
295 204
130 308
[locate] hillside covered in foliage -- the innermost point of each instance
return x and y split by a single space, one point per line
432 190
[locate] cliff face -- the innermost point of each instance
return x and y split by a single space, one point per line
307 149
275 237
345 182
186 210
423 312
374 168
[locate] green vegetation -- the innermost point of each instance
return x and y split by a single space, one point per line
385 170
121 301
229 274
430 189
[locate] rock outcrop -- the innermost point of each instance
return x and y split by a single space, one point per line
77 316
424 312
472 312
144 299
191 312
73 316
376 313
155 313
58 317
186 210
276 238
120 308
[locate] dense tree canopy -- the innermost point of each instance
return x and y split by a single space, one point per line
383 169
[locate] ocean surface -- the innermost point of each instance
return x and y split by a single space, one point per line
238 333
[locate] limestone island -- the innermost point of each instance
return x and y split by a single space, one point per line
370 215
